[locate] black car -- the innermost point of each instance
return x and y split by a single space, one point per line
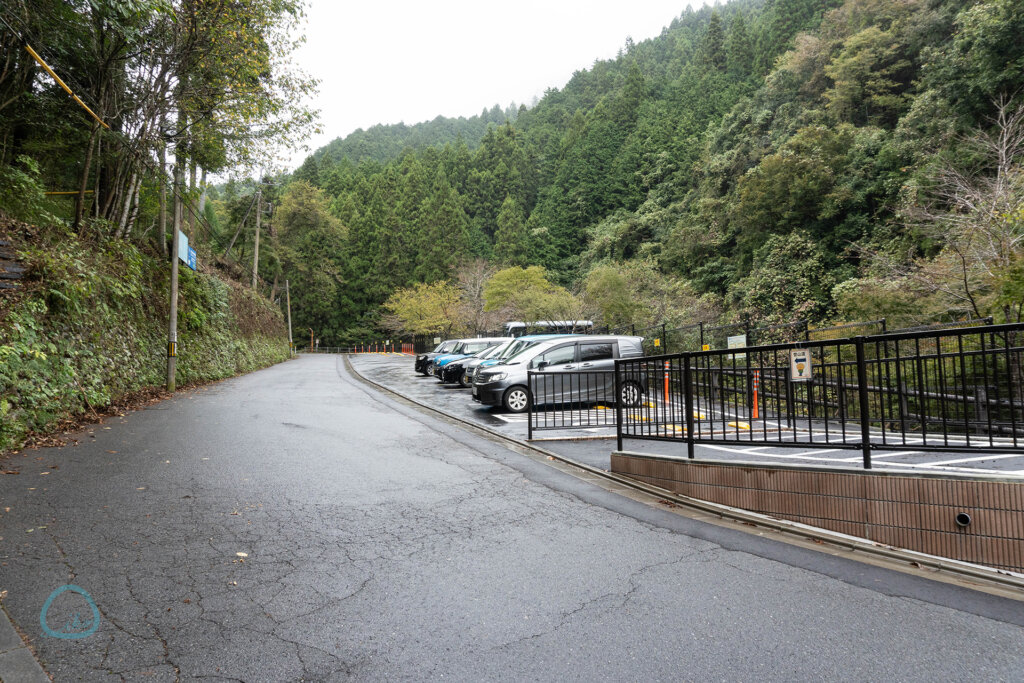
424 361
455 371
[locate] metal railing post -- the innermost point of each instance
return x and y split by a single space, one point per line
862 393
618 405
688 405
529 405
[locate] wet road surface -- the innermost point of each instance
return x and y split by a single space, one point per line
293 524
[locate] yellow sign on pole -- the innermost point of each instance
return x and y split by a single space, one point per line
657 343
706 347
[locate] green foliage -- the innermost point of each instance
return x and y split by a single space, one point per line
527 294
424 309
21 193
94 331
790 280
511 241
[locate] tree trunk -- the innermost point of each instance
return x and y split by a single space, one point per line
122 223
96 188
191 203
202 196
135 207
163 198
80 201
256 241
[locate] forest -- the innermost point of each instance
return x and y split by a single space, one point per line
819 160
760 160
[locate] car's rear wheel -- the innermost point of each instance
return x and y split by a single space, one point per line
516 399
428 369
630 394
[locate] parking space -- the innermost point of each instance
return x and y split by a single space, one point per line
593 444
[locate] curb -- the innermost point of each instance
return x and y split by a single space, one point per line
956 567
17 663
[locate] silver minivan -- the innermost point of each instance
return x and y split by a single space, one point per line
562 367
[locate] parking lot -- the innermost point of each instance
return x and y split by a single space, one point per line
593 444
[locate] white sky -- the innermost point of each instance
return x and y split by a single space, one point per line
408 61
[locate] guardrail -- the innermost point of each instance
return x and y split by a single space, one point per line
942 390
397 347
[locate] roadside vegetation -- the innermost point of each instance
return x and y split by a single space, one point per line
89 198
88 328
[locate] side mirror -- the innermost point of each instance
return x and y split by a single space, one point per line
543 364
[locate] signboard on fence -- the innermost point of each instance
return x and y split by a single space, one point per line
737 342
800 368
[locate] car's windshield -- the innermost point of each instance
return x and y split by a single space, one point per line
518 352
473 347
445 346
488 352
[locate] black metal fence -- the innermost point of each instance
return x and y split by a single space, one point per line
946 389
575 399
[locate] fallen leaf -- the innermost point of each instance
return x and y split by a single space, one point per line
42 473
111 451
141 488
242 554
233 583
10 472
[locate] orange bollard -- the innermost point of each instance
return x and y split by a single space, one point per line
757 385
668 401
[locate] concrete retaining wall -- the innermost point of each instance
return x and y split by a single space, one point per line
915 512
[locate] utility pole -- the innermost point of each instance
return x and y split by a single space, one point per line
256 244
172 328
288 300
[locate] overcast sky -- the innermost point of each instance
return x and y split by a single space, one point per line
410 61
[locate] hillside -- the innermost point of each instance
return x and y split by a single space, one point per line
773 161
384 143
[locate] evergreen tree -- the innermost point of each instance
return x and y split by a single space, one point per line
713 46
739 52
511 242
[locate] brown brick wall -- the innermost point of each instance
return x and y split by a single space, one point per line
911 512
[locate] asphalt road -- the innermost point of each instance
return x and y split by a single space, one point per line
383 543
593 445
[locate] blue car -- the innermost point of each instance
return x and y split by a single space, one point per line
465 347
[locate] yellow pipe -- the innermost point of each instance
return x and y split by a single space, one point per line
61 83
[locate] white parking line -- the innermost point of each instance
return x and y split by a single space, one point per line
781 456
881 454
980 458
943 468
